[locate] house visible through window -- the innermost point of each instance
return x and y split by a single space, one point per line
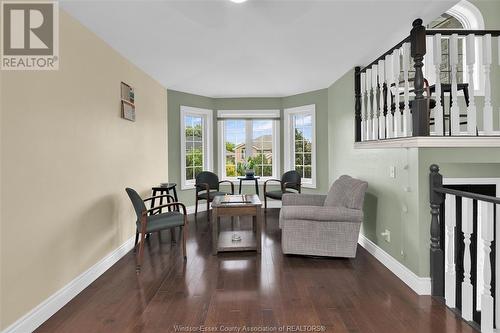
249 144
195 143
300 150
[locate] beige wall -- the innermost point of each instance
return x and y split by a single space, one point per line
66 158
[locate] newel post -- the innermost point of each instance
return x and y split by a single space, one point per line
436 252
357 105
420 109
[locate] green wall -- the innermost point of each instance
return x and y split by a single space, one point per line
391 203
177 98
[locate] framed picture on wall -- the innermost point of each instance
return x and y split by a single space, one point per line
128 110
128 99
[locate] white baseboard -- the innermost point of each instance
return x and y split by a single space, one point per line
421 285
43 311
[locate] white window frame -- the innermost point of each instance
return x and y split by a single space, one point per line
289 144
273 115
207 116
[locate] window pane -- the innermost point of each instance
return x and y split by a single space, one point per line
267 171
189 173
307 172
307 159
189 160
299 146
262 128
307 146
198 160
299 159
189 147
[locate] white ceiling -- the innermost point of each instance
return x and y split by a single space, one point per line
260 48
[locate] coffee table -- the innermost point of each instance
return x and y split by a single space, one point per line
236 205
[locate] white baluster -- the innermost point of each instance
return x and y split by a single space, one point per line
369 118
389 121
488 109
471 60
407 130
363 106
454 110
438 110
487 231
467 229
381 116
450 275
397 113
376 101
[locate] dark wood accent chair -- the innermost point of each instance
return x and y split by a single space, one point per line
289 180
151 220
207 187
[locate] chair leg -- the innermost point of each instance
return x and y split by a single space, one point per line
141 253
196 207
172 235
136 240
265 203
208 210
184 239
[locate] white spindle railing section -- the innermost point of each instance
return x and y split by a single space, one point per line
475 221
376 102
454 109
389 120
381 82
369 118
457 104
406 79
467 228
486 221
488 109
438 109
396 61
450 275
363 106
471 61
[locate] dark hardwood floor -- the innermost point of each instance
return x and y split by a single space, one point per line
271 289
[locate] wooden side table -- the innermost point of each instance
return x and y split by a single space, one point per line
241 205
253 179
164 188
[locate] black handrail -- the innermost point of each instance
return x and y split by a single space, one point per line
382 57
447 32
470 195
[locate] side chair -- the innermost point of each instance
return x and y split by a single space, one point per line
207 188
290 180
151 220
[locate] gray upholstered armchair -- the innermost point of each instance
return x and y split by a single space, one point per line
324 225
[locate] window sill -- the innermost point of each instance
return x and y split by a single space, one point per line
432 142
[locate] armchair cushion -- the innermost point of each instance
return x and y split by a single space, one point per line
325 213
296 199
347 192
162 221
